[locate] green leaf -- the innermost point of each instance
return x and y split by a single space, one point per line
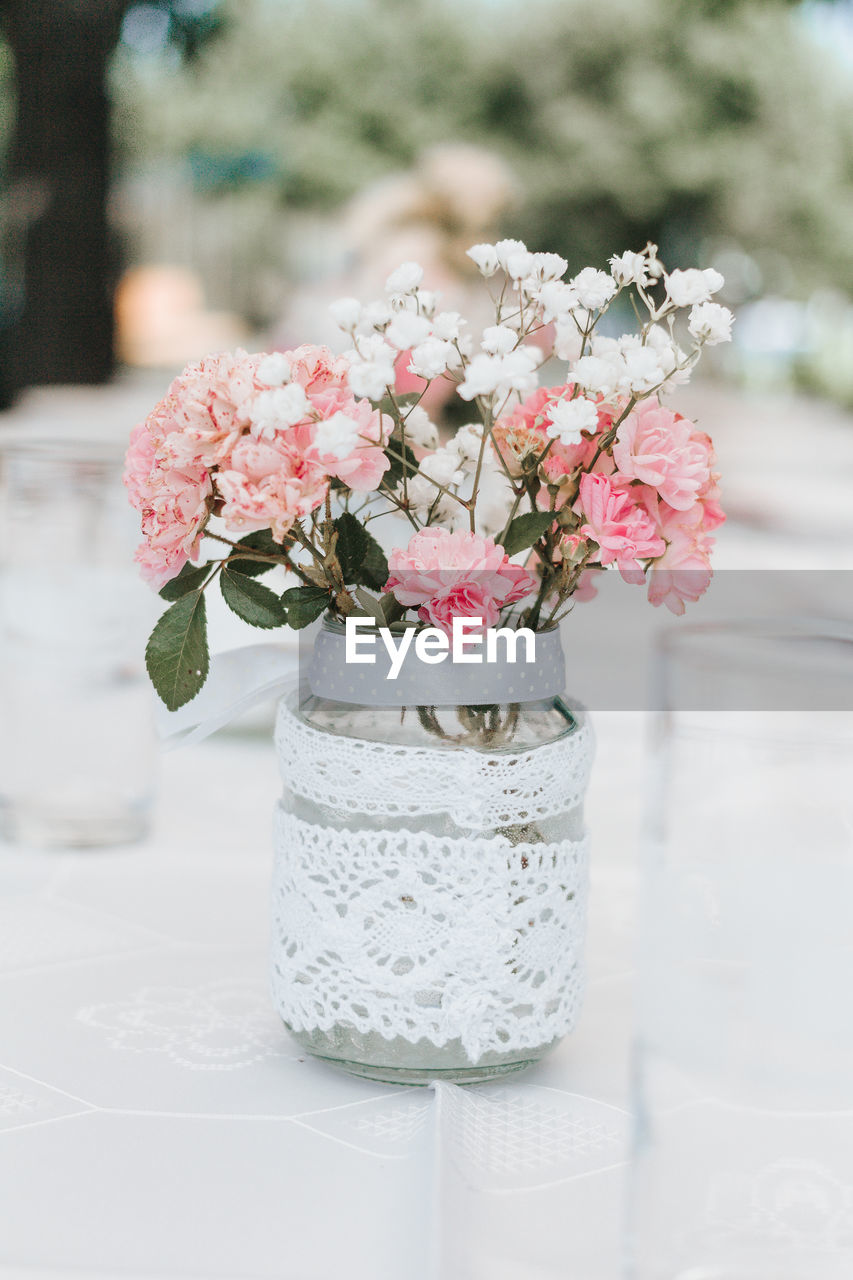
303 604
176 654
371 606
262 540
250 600
189 579
394 453
361 558
525 529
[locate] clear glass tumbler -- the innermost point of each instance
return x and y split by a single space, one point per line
743 1160
77 745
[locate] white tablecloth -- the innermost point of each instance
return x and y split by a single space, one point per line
157 1121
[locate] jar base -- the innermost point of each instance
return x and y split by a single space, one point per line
424 1076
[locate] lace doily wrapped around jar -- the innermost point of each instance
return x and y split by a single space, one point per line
429 903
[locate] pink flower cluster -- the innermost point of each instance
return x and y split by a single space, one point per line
237 435
658 504
446 575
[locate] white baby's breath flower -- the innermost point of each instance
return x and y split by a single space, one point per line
547 266
519 264
420 430
594 288
426 501
685 288
274 369
346 313
481 377
371 378
710 323
568 418
557 299
499 375
484 257
432 358
274 410
405 279
443 467
654 266
643 370
594 373
506 248
629 268
375 316
467 445
567 341
407 330
446 325
427 300
495 497
337 435
499 340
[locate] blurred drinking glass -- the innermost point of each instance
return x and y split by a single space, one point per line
77 747
743 1160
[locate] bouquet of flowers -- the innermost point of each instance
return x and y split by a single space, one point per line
315 461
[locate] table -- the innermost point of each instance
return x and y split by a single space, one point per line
156 1120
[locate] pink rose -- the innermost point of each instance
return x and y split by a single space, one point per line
460 574
271 483
523 432
364 467
661 449
624 531
173 502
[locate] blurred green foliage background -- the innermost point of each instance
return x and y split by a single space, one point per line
677 120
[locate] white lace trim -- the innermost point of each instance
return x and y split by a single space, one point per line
424 936
478 790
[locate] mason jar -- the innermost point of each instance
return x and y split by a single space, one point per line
431 868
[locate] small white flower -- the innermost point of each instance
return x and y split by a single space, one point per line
420 430
557 299
506 248
484 257
426 501
594 373
629 268
443 467
494 500
432 358
643 370
568 418
404 302
685 288
274 369
337 435
710 323
346 313
405 279
489 375
481 377
273 410
594 288
446 325
547 266
371 378
408 329
467 444
519 264
567 341
427 300
499 340
376 315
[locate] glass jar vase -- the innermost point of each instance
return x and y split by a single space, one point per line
430 885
